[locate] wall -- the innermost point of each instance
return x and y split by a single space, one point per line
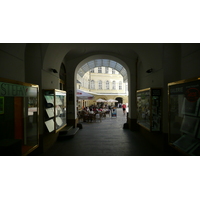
171 72
12 61
167 70
190 61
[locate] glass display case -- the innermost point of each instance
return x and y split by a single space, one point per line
149 108
55 110
184 115
19 112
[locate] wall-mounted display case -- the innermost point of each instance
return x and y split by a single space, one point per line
19 111
184 115
149 108
55 110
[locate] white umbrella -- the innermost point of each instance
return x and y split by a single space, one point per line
83 95
112 100
100 100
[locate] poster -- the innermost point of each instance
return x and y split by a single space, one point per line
50 112
1 105
59 121
190 108
189 125
50 125
185 143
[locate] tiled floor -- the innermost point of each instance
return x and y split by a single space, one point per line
106 138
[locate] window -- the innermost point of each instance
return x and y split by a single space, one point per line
113 71
92 84
107 85
100 85
88 84
106 70
92 70
120 85
114 85
99 69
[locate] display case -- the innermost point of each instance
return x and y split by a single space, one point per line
149 108
19 111
184 116
54 110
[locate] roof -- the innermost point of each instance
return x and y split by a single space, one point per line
103 63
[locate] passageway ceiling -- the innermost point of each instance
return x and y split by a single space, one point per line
122 50
149 54
119 50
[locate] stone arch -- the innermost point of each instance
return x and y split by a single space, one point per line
73 63
102 56
131 72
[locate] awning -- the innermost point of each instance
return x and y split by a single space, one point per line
83 95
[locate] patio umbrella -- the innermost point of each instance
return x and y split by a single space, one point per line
83 95
101 100
112 100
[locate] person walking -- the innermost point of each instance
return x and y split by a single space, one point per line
124 108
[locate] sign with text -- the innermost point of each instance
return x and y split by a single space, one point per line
191 90
15 90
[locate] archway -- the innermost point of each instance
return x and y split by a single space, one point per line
105 62
120 101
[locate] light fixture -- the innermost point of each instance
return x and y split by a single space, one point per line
149 70
53 70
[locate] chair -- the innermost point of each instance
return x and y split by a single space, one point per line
103 115
98 117
108 112
91 117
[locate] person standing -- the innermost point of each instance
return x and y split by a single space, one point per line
124 108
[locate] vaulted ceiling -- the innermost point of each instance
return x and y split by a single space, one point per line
120 49
103 63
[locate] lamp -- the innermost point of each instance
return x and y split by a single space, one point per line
149 70
53 70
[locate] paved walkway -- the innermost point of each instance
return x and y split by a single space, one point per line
106 138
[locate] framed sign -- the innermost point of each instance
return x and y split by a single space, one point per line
184 113
1 105
149 109
19 107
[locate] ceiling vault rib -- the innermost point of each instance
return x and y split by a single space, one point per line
103 63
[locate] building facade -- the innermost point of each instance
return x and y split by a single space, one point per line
105 83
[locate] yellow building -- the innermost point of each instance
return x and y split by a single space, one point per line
105 83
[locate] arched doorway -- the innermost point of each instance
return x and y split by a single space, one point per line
120 101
